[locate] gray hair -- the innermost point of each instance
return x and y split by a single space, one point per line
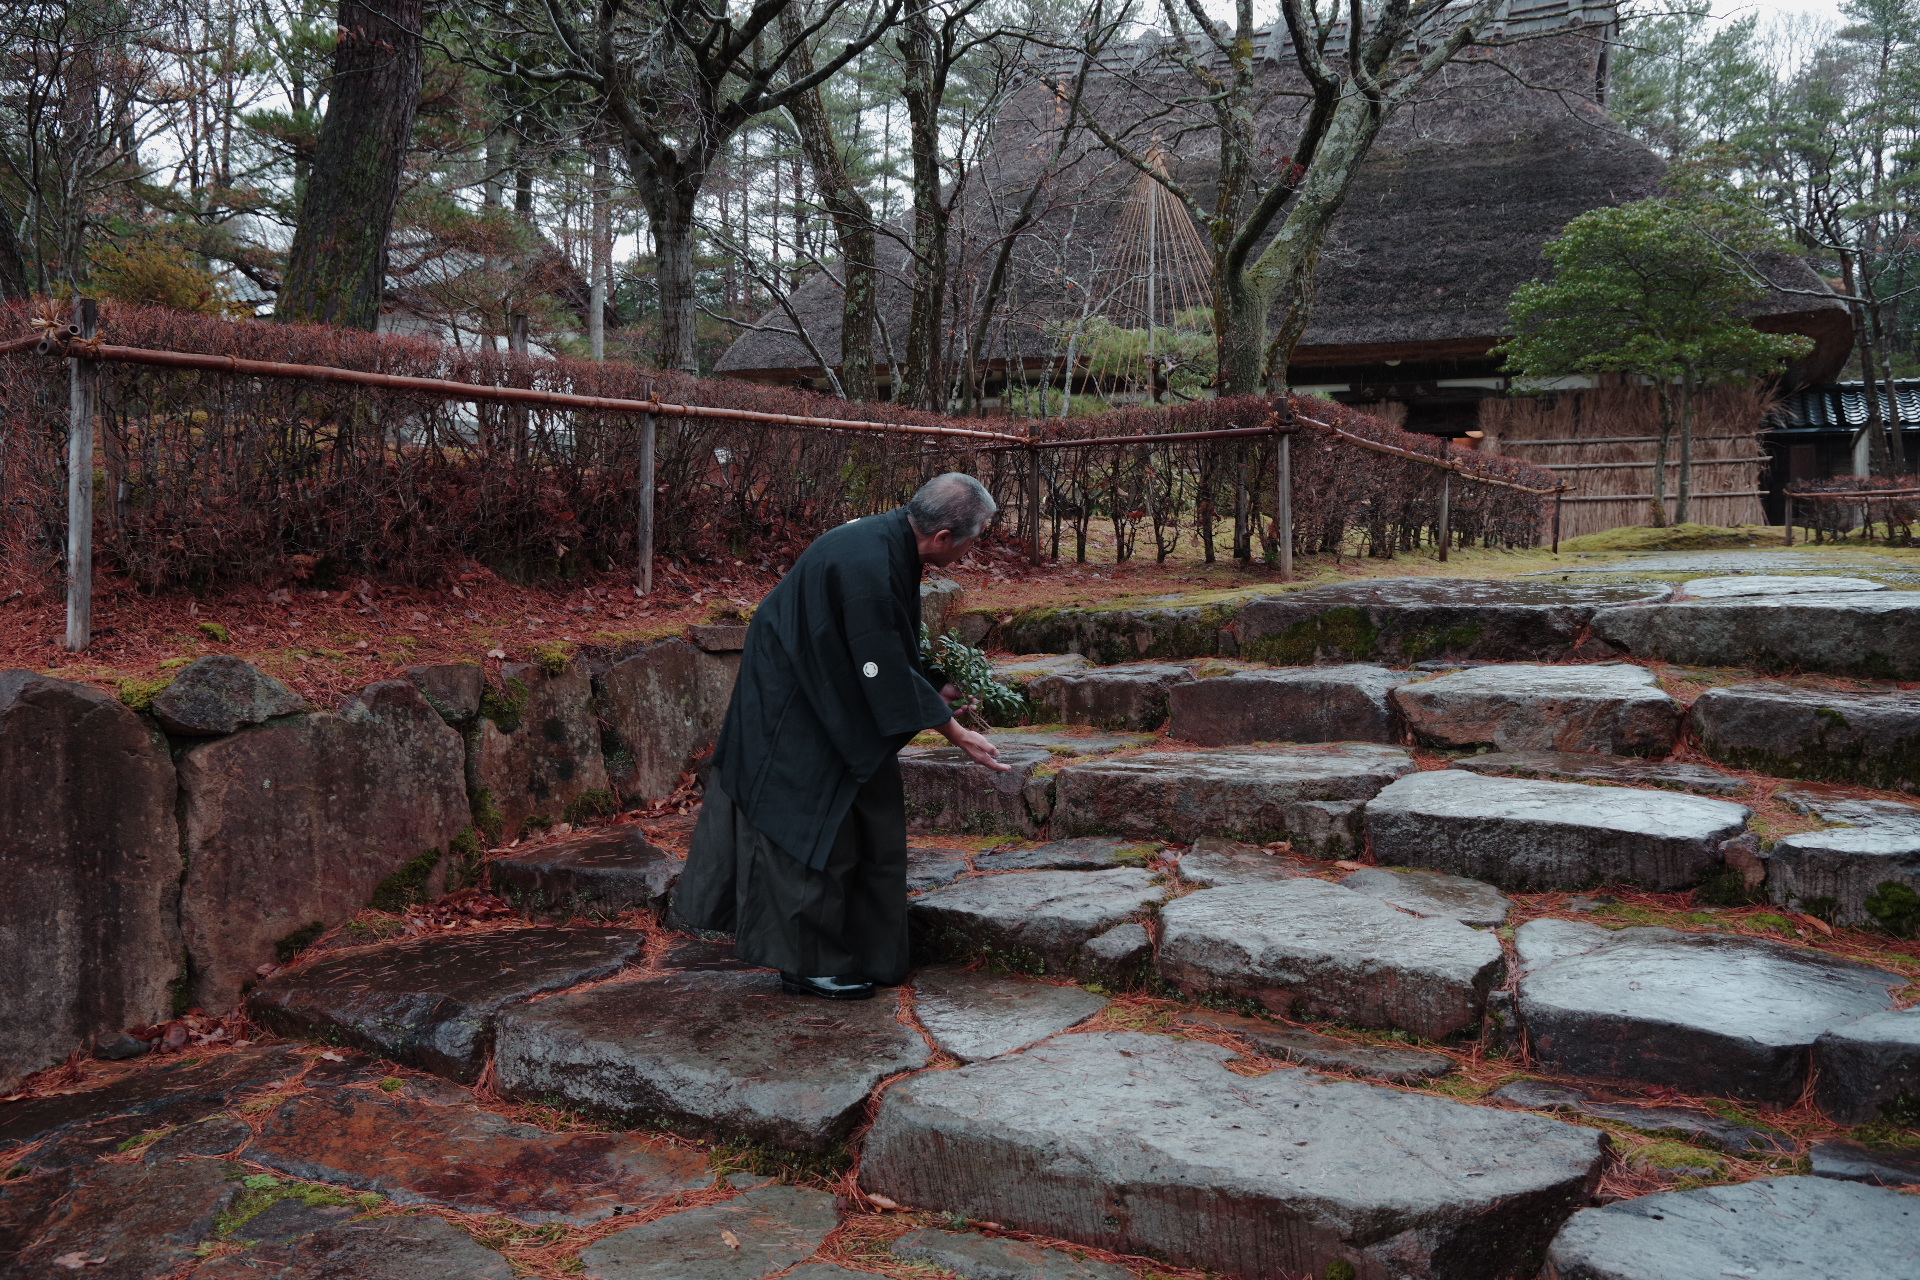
954 501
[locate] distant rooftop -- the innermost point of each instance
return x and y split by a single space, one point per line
1842 406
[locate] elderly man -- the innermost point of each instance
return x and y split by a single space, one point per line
801 849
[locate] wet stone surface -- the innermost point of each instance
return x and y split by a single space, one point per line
1347 703
979 1257
1762 584
1829 735
1702 1013
1214 863
1536 1095
946 791
974 1015
718 1053
417 1247
1311 1049
1119 959
1031 921
138 1220
432 1002
1086 853
1773 1229
1433 893
1584 766
1603 707
775 1227
1062 743
1855 1162
1306 946
1869 1069
596 873
536 753
1854 633
931 868
1110 697
1694 1125
1296 1172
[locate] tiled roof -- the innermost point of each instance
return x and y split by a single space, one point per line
1842 406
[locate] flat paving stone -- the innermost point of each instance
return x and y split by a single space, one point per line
1132 697
1537 1095
1346 703
1710 1014
1722 563
974 1015
1311 1049
1771 1229
1024 668
1824 735
132 1221
1084 853
467 1158
1243 793
774 1228
1033 921
1433 893
1528 835
1407 620
1765 584
432 1002
1851 1161
945 791
1214 863
595 873
719 1054
1060 742
1313 947
1849 633
1869 1069
1703 1127
1146 1144
931 868
1587 766
1603 707
416 1247
978 1257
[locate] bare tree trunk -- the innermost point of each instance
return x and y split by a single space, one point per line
337 265
922 384
671 214
13 266
1660 460
600 255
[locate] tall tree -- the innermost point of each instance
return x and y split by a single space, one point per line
337 265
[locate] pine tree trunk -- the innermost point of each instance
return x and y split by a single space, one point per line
599 256
920 384
337 266
1660 461
1683 511
672 218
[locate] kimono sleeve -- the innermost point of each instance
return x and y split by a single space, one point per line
887 671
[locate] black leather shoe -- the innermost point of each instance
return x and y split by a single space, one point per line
827 988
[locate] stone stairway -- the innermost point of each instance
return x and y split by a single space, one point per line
1445 958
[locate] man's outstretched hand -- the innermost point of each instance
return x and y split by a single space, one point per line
978 746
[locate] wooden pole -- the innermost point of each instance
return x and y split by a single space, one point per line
1033 506
1283 507
1446 494
1557 496
1789 498
644 534
83 378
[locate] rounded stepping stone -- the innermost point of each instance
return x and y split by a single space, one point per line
1433 893
1213 863
1245 793
721 1053
595 873
1580 766
1855 1162
1855 633
1869 1069
1033 921
1527 835
221 694
1771 1229
1085 853
1110 697
748 1237
1296 1171
432 1002
978 1257
1295 1044
1346 703
1702 1013
974 1015
1832 735
402 1248
946 791
1306 945
1604 707
1763 584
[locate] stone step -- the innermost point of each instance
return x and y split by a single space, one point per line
1083 853
946 791
1772 1229
433 1002
1127 633
1869 1069
1433 893
400 1248
1603 707
1586 766
978 1257
1127 697
1346 703
1864 873
1266 1177
1037 922
1067 743
746 1238
1308 948
1691 1123
1761 584
1214 863
1829 735
1843 632
1851 1161
974 1015
1529 835
593 873
1327 1053
1714 1014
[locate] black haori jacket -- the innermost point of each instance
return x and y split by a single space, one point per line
830 686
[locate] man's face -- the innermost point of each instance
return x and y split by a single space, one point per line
940 550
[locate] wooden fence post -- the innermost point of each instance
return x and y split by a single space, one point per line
1033 505
83 378
1283 505
1558 494
644 534
1446 531
1789 498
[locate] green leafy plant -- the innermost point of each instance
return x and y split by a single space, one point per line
971 673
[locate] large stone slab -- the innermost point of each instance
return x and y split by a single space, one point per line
931 868
948 792
974 1015
1531 835
1772 1229
432 1002
1712 1014
1313 948
1433 893
1213 863
1405 620
1823 734
1244 793
662 704
1071 742
462 1157
1110 697
745 1238
1034 921
1856 1162
1124 633
1604 707
1862 876
1869 1069
719 1053
90 857
535 754
1019 670
592 873
1347 703
414 1247
1763 584
128 1221
222 694
1143 1144
1083 853
297 823
1585 766
979 1257
1844 632
1327 1053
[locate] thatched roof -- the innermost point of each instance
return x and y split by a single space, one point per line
1447 216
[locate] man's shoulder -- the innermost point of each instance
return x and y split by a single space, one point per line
867 537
